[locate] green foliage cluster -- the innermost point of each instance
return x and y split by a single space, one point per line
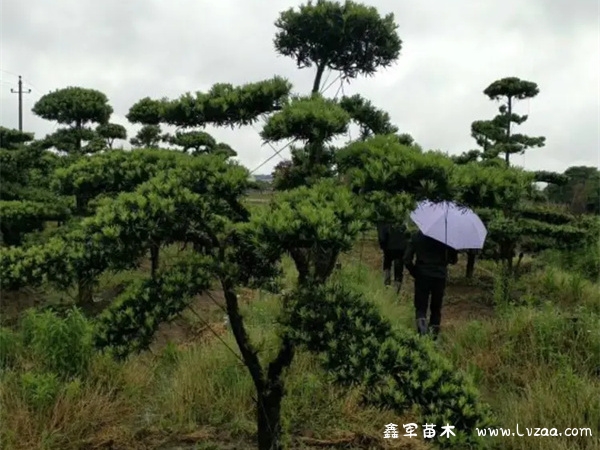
46 357
22 217
222 105
396 369
348 37
579 190
129 324
112 172
312 119
372 121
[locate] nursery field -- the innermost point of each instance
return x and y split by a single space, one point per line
165 296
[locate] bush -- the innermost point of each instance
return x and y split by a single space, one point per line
59 345
40 390
9 348
397 369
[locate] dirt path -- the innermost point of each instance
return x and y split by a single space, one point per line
463 300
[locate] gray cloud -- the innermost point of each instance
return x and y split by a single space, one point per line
451 52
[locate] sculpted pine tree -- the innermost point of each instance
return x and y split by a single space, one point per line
77 108
314 121
348 37
509 90
149 136
110 132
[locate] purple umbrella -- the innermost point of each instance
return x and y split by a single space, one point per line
456 226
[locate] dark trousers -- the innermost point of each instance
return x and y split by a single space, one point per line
395 258
429 294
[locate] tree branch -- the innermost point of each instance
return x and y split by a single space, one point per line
249 354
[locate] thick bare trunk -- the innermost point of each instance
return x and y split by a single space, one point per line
318 76
269 422
154 259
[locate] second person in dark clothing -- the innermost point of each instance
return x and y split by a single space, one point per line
393 239
430 272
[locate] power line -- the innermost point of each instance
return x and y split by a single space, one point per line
278 152
20 91
273 156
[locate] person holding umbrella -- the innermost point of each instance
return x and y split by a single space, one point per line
393 239
444 228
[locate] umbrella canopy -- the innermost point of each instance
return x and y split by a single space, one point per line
456 226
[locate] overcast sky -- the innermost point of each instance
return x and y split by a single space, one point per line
452 50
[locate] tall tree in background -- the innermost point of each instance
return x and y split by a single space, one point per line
75 107
509 90
149 136
350 38
110 132
580 191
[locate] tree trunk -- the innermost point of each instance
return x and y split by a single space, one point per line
470 263
318 76
270 391
154 259
78 126
81 202
508 131
269 421
85 293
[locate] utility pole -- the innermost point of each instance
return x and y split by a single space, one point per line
20 91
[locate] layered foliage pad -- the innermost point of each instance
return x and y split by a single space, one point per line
396 369
112 172
371 120
131 321
21 217
223 105
77 108
26 201
74 106
311 119
314 225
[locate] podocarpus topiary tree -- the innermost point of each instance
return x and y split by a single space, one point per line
518 223
75 107
149 136
350 38
110 132
497 133
197 201
314 121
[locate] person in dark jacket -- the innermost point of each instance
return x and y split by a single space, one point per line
430 272
393 239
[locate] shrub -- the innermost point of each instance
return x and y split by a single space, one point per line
59 345
397 369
